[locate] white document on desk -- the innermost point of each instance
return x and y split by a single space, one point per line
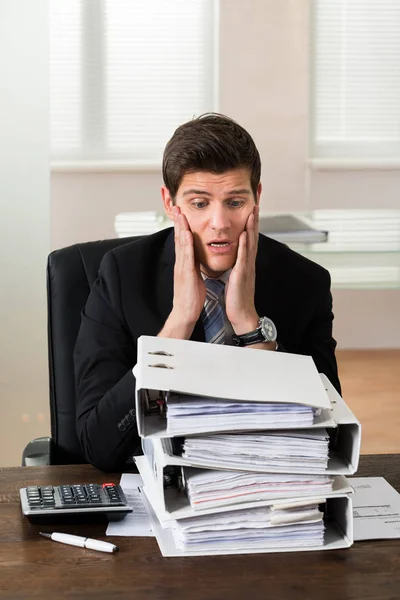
137 523
376 509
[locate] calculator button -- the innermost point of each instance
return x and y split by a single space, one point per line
34 502
112 493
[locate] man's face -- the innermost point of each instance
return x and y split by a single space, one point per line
217 208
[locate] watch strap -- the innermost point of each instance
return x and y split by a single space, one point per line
247 339
265 332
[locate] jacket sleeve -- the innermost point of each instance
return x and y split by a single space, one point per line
104 356
318 341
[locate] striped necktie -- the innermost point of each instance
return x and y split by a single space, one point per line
213 312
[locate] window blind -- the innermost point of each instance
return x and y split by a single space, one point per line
356 78
125 73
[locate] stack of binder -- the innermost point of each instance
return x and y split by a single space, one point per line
244 451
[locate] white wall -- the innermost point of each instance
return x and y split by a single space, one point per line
355 188
24 224
84 205
264 86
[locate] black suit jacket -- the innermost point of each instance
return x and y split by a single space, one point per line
133 296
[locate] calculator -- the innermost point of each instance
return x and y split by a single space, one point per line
79 502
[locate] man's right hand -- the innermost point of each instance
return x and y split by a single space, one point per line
189 287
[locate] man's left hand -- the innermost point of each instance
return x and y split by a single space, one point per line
239 301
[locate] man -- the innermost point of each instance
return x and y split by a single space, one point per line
213 278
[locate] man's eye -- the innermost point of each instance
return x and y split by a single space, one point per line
235 203
199 204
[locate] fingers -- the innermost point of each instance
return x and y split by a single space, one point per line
188 249
186 239
184 247
256 220
175 215
180 225
252 231
242 250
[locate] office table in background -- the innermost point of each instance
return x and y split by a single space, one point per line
32 566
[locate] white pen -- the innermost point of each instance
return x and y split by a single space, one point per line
82 542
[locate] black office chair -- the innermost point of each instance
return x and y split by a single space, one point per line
70 274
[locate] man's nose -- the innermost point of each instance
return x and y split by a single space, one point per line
220 218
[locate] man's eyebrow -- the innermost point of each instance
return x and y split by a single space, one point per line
204 193
238 192
197 192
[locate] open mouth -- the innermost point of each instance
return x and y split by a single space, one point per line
220 247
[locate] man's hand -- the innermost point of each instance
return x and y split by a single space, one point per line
189 287
239 300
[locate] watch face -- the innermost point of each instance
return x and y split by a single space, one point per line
268 329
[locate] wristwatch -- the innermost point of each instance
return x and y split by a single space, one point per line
265 332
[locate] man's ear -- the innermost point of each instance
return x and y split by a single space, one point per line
259 190
167 201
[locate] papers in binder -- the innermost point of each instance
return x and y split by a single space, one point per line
224 379
248 529
209 489
194 537
291 451
193 413
167 489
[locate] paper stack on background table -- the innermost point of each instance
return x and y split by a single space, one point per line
239 457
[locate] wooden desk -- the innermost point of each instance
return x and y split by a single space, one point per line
31 566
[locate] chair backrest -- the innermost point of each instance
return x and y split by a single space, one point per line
70 274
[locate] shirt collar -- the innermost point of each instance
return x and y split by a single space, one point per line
224 277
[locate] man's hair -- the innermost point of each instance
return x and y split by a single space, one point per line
213 143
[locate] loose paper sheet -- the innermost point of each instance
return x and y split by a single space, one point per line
137 523
376 509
